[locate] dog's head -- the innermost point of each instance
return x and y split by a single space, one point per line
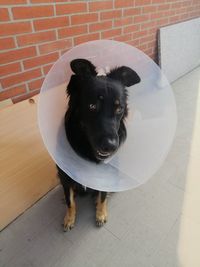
100 104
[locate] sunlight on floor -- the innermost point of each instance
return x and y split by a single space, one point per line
189 235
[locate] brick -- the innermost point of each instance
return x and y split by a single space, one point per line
147 39
47 68
64 51
158 1
123 3
100 26
147 25
123 38
71 8
141 18
157 15
174 19
134 42
162 22
96 6
168 13
152 44
110 14
153 56
163 7
181 10
132 11
86 38
44 24
131 28
142 2
12 2
6 57
9 69
176 5
32 12
189 9
47 1
85 18
193 14
12 92
35 38
148 51
15 28
72 31
139 34
155 49
36 84
142 47
188 3
123 21
149 9
41 60
19 78
153 30
195 2
25 96
7 43
111 33
54 46
184 16
153 34
4 15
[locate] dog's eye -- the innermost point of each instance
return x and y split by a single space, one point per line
92 107
119 110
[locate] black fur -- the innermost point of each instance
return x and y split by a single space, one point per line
97 110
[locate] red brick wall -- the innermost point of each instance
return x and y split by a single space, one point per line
35 33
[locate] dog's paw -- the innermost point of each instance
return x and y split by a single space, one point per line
101 219
68 226
69 222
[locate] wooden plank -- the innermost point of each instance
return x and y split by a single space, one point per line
5 103
27 171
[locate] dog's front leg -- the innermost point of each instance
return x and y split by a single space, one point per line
70 216
101 208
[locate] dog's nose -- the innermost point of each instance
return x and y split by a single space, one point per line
109 144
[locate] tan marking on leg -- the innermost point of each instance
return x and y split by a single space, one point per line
70 216
101 211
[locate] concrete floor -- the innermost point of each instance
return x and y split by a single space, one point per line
156 225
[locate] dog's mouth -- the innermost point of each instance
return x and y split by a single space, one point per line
101 155
104 148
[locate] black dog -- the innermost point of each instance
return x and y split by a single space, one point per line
94 124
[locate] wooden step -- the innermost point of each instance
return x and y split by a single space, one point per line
26 170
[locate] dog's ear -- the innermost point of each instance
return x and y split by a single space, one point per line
83 67
125 75
72 85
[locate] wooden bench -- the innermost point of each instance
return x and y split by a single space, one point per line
26 170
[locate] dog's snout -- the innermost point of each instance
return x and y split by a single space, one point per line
109 144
